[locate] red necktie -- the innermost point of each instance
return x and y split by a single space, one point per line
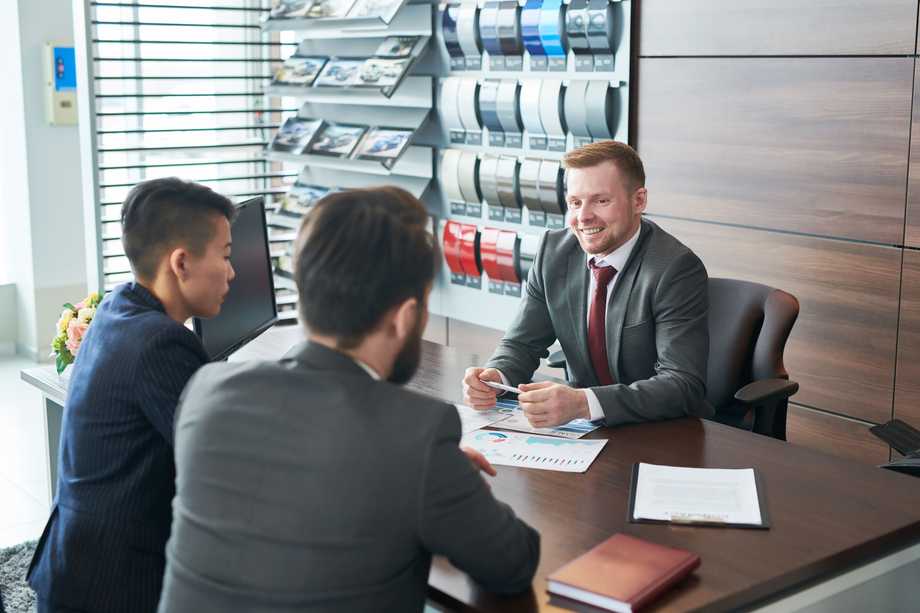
597 328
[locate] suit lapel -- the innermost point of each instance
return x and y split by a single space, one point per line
619 301
578 306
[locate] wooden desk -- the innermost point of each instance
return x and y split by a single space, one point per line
843 533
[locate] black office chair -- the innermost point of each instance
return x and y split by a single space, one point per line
746 381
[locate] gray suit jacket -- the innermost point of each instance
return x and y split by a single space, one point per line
306 485
657 334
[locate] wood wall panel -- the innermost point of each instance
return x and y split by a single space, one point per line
842 348
912 231
907 381
778 27
811 145
834 435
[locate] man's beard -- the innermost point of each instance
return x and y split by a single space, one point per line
408 358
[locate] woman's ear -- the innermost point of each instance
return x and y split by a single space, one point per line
178 264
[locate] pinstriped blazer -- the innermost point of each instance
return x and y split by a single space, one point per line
103 547
657 334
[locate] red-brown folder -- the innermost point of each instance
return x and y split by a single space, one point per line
624 573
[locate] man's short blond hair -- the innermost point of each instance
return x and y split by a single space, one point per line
622 155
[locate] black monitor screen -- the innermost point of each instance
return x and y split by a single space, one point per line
249 308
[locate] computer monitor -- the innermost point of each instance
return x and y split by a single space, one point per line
249 307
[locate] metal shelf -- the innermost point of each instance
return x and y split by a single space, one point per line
415 162
412 20
413 92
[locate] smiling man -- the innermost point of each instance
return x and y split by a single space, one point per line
103 549
626 300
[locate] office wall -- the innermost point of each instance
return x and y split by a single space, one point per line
777 140
42 235
15 234
8 319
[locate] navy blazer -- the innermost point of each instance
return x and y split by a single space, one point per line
103 547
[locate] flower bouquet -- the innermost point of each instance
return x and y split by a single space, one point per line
71 328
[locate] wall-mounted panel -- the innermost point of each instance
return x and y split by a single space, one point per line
842 348
912 231
834 435
907 382
811 145
778 27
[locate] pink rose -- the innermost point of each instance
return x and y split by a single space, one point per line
80 305
75 332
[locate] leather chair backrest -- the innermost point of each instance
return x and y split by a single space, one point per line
748 327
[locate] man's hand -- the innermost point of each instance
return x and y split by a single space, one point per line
479 461
476 393
547 404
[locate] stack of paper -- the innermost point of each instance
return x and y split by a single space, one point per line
697 495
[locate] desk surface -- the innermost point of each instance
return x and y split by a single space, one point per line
828 514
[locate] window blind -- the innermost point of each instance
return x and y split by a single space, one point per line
176 89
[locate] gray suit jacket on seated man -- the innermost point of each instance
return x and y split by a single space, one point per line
627 301
305 484
318 483
657 336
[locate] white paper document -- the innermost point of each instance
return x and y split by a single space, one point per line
719 495
533 451
516 420
471 419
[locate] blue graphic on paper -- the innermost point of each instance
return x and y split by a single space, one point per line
555 442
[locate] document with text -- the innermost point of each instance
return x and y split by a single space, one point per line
697 495
533 451
471 419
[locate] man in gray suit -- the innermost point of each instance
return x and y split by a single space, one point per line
626 300
317 482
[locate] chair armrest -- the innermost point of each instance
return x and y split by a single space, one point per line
766 390
556 359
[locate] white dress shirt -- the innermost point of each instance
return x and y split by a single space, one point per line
368 370
617 259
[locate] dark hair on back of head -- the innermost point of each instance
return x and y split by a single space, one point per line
359 253
161 214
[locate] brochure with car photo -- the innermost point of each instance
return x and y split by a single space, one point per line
340 73
329 9
397 46
295 135
337 139
290 9
384 9
298 200
384 145
299 70
381 72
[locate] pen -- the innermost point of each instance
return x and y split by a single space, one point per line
502 386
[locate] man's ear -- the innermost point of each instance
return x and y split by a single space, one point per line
178 263
640 199
405 318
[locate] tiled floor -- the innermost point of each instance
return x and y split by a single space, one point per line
23 483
